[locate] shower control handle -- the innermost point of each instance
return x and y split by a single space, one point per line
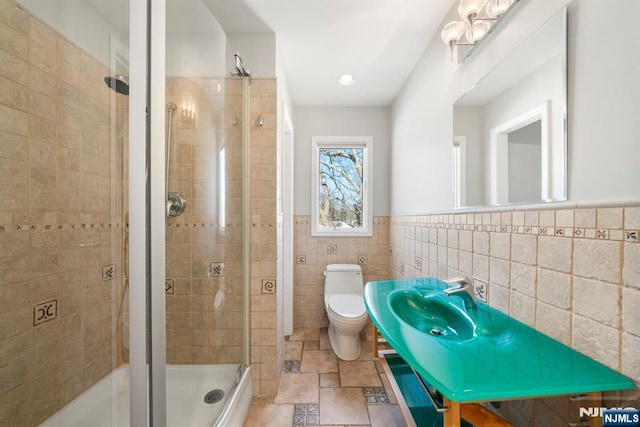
176 204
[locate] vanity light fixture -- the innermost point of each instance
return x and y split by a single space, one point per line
346 80
188 112
478 18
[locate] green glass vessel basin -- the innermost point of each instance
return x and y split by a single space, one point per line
432 314
479 354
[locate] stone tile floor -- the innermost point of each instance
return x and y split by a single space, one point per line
318 389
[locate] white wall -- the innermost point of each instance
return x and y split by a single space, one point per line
604 89
258 52
524 171
196 55
468 122
344 121
421 133
602 92
543 86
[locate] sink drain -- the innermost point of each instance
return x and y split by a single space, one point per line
214 396
435 331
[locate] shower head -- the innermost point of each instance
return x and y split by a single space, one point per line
171 107
118 83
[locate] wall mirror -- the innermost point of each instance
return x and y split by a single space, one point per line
510 139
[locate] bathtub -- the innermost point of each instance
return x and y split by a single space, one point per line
106 404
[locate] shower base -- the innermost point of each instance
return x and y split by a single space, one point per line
106 404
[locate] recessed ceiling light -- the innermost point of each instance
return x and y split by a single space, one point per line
346 79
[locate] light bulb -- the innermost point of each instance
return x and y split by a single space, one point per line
468 9
477 31
498 7
452 32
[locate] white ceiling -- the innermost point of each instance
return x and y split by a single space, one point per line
379 41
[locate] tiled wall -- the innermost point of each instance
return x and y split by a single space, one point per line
313 254
266 291
204 244
58 225
572 272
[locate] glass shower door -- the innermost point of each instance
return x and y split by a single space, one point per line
111 312
204 242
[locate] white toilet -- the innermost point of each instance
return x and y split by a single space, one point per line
344 302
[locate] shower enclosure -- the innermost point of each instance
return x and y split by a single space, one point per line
124 236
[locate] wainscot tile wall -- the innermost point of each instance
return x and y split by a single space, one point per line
313 254
570 271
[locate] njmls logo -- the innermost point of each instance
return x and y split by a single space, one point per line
614 417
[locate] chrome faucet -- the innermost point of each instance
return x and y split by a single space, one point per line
461 287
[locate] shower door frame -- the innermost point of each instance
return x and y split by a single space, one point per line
147 196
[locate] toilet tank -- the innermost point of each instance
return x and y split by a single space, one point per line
343 279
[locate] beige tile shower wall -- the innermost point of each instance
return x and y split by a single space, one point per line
572 273
204 244
58 227
266 292
312 254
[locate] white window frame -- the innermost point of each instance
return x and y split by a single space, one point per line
459 171
499 150
364 142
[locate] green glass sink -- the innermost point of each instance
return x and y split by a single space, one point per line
432 315
478 354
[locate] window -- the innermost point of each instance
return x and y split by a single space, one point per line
341 194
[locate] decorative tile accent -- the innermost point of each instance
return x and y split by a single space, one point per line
402 268
375 395
45 312
169 286
542 231
108 272
292 366
332 249
560 232
418 263
301 259
216 269
579 232
305 414
631 236
362 259
602 234
480 289
268 286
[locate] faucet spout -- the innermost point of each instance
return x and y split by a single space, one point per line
462 288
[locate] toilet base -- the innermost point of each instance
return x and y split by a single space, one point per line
346 347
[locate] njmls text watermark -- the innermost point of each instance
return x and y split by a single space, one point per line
613 417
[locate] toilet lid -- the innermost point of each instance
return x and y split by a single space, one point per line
347 305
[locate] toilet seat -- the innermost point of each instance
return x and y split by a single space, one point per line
347 306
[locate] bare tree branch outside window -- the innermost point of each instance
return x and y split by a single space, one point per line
340 187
